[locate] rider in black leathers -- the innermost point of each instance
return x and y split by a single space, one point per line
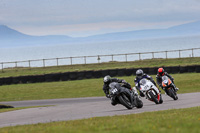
107 80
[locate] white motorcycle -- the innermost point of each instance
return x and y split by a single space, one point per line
150 91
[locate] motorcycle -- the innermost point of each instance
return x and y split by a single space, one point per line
169 87
150 91
121 94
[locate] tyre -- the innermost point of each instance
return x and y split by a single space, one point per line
173 94
153 97
138 103
124 100
161 100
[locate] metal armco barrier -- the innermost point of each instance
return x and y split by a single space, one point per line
67 76
193 52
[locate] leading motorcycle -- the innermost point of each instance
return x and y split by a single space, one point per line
121 94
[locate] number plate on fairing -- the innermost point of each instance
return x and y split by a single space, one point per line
114 91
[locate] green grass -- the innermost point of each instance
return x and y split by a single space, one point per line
111 65
169 121
188 82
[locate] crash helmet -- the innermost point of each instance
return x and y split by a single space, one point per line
161 71
139 73
107 79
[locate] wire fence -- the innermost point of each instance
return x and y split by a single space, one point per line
193 52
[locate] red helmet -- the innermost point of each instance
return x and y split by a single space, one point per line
161 71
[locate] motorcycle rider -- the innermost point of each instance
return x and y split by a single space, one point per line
107 80
161 72
139 76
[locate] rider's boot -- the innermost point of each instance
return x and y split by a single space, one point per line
161 100
113 102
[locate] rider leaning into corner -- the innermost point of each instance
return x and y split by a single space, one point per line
139 76
160 74
107 80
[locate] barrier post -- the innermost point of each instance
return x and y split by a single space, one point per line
2 67
152 55
29 64
179 54
139 56
43 62
85 59
126 57
71 60
57 61
192 52
112 57
16 64
166 54
98 58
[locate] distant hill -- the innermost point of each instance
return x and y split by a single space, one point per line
189 29
12 38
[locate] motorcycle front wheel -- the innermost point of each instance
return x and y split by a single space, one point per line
173 94
124 100
153 97
138 102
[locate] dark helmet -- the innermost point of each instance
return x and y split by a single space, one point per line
139 73
161 71
107 79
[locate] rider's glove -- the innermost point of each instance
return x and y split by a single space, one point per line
123 81
107 95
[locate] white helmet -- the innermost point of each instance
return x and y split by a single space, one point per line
139 73
107 79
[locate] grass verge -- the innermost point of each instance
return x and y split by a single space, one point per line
188 82
169 121
12 72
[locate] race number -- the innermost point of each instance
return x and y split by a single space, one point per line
146 87
114 90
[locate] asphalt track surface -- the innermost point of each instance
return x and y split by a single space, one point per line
81 108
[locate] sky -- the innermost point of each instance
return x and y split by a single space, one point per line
80 18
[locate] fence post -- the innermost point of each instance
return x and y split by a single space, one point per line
43 62
29 64
179 54
16 64
192 52
166 54
2 66
112 58
139 56
57 61
85 59
71 60
153 55
98 58
126 57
